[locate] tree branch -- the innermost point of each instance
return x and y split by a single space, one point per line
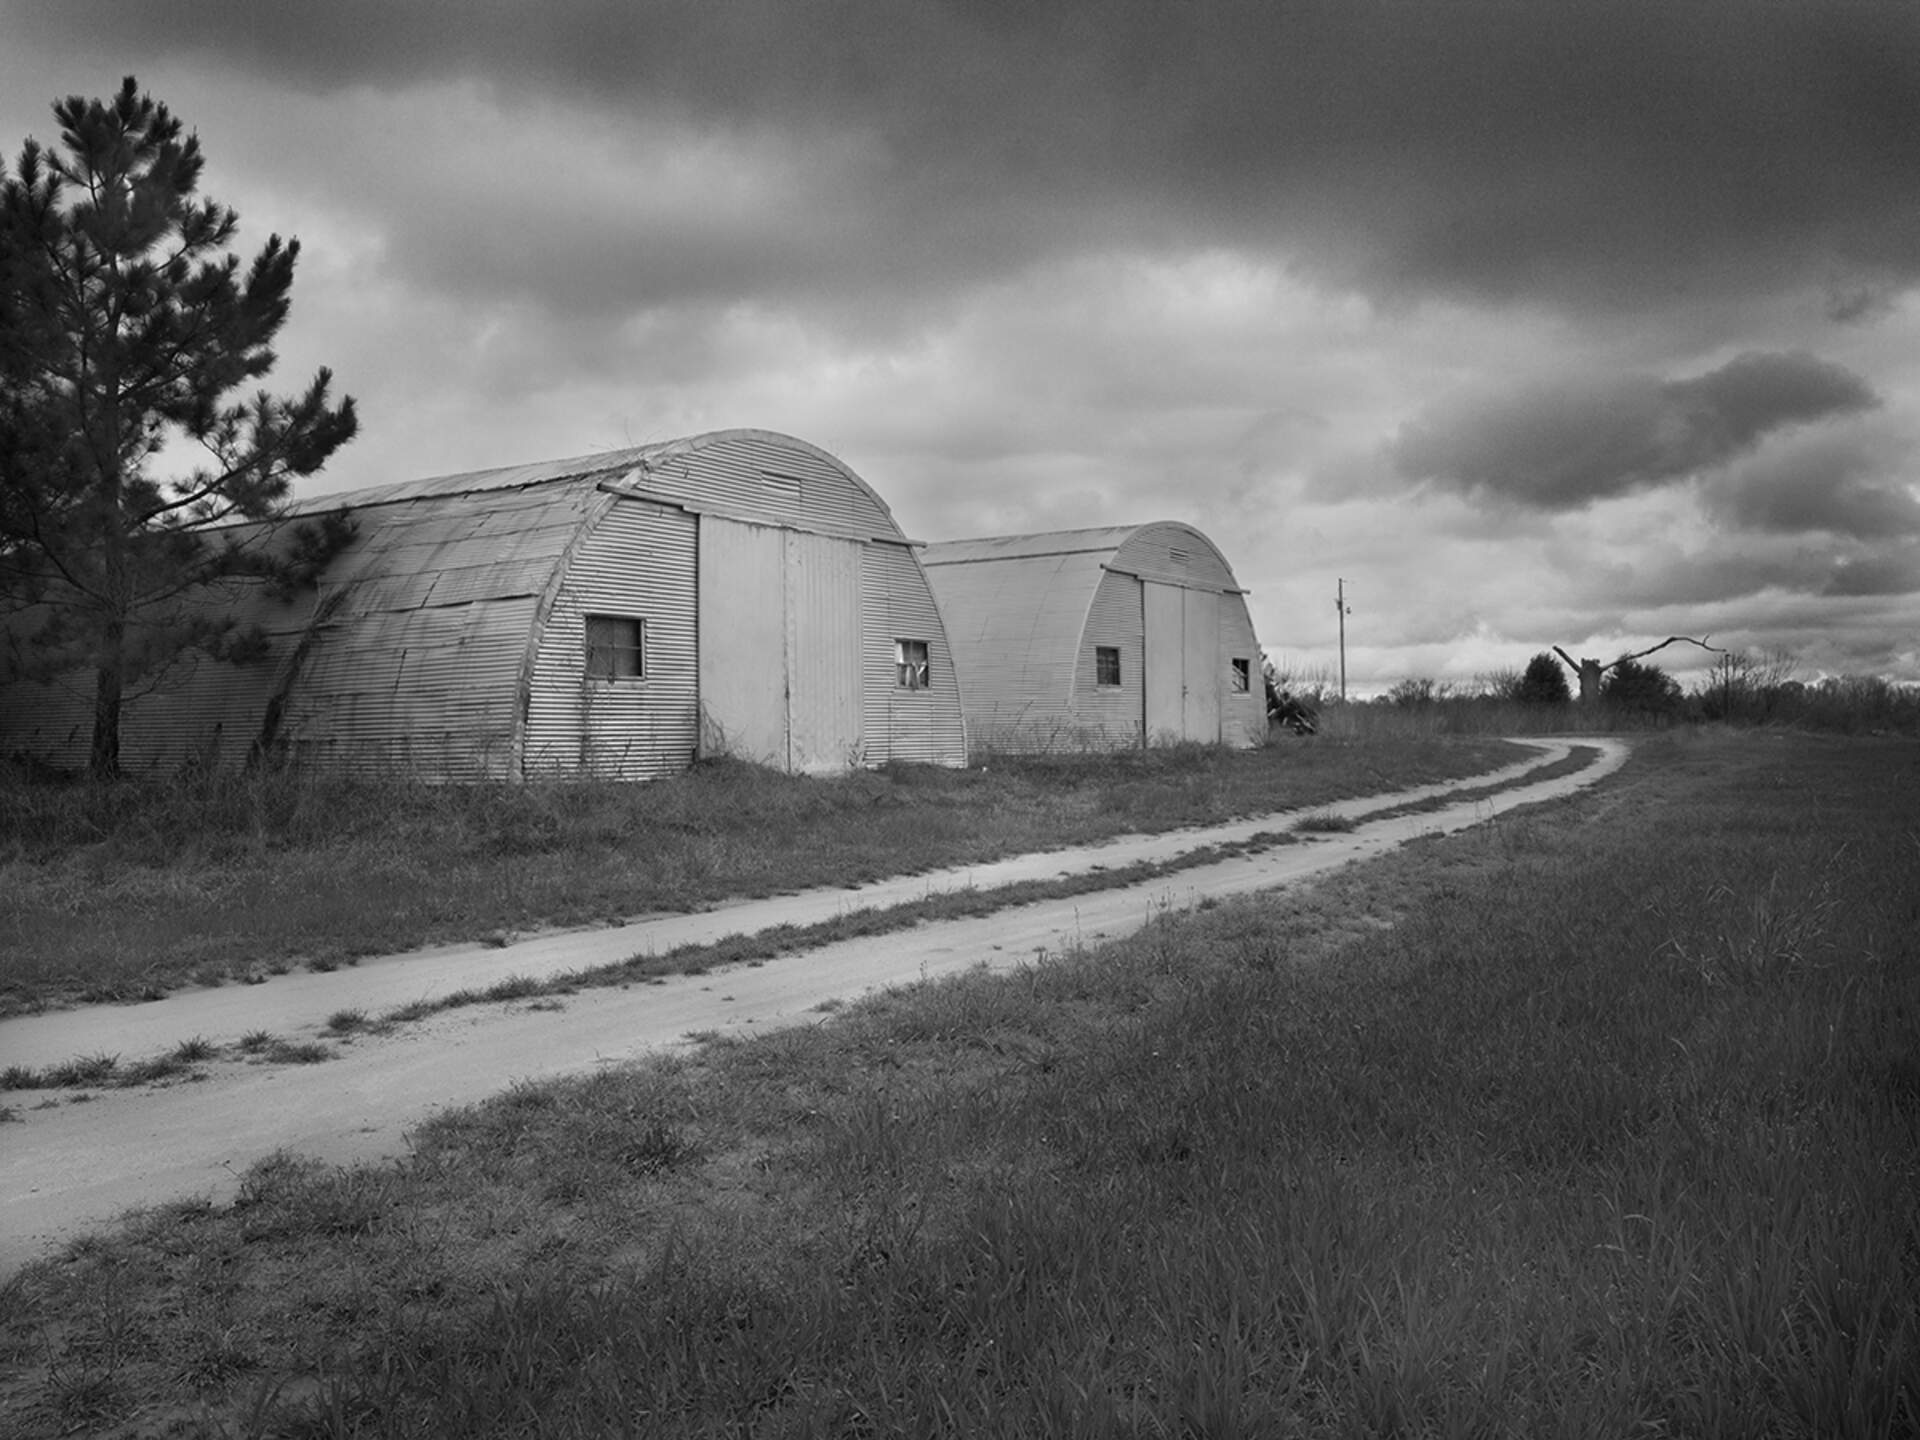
1670 640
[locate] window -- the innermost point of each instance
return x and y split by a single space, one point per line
910 668
1106 664
1242 677
616 647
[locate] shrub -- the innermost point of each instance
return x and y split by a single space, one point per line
1544 682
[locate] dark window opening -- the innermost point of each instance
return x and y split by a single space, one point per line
910 666
1242 677
1106 664
616 647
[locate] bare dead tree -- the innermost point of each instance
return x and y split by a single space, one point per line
1590 671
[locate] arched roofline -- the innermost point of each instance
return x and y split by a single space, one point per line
710 438
1108 543
1140 531
604 465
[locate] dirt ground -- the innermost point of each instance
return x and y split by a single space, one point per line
75 1160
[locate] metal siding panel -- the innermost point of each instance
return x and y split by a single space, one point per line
742 476
430 610
1151 554
51 721
897 603
1108 716
823 653
195 711
1016 626
639 560
428 691
1162 676
1243 717
743 649
1103 540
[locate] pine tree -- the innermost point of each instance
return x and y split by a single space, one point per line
1642 689
1543 683
126 329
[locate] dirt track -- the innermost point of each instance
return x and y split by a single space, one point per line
73 1167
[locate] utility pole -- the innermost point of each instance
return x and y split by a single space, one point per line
1340 608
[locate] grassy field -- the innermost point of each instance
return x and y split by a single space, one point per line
1602 1120
123 892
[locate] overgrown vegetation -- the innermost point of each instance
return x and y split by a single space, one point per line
1741 689
1615 1132
124 891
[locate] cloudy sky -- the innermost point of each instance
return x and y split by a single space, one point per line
1537 322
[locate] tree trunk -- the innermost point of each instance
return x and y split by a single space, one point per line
103 763
1589 682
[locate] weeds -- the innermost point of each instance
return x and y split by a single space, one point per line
125 891
1508 1168
86 1070
295 1052
1325 822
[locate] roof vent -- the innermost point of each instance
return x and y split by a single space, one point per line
1177 555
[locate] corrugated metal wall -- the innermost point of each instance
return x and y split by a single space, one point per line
638 561
1243 715
1203 673
448 639
824 638
752 475
1027 613
1176 555
897 604
743 641
197 711
1015 624
415 663
1165 677
1110 715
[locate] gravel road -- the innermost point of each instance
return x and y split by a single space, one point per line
67 1167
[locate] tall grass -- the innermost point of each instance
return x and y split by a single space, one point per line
123 891
1617 1132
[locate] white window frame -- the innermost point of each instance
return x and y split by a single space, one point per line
912 665
1100 653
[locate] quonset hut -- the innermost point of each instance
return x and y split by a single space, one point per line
739 593
1099 639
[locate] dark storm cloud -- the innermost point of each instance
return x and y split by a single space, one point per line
1842 484
1692 581
1561 445
1583 153
1892 570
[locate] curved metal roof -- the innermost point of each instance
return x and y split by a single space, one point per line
1016 606
666 469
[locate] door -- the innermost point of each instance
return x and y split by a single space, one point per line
1161 671
823 652
743 643
1181 663
1200 667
